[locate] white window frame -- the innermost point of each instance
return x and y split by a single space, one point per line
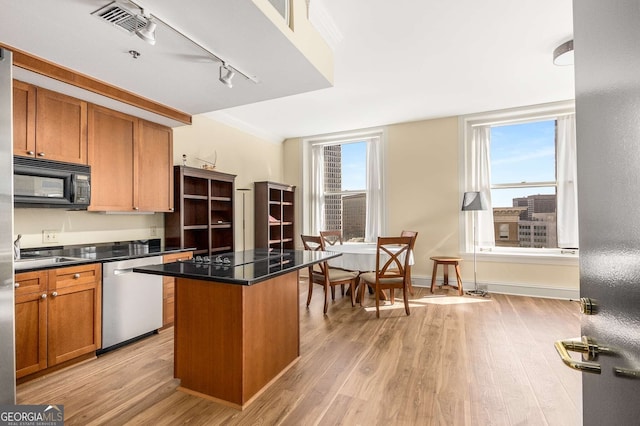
511 116
333 139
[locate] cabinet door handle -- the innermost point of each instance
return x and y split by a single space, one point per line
44 296
30 152
76 276
135 208
16 285
54 294
41 154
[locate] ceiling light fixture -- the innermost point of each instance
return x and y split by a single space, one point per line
147 33
228 75
563 54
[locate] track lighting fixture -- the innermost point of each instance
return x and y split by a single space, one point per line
228 75
148 32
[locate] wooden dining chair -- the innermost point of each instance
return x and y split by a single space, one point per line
328 278
392 260
414 235
332 237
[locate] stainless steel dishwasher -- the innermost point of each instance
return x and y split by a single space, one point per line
131 302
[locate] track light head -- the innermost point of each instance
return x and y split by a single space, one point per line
226 74
148 32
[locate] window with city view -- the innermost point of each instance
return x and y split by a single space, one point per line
345 171
523 184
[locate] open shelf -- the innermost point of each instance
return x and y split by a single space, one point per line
274 201
203 215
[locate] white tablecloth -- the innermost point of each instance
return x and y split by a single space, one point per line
356 256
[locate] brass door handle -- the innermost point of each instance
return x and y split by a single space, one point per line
564 346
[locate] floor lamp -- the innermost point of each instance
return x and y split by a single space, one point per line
244 191
473 202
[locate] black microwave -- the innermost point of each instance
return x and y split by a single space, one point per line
46 183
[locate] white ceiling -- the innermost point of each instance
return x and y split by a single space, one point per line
395 61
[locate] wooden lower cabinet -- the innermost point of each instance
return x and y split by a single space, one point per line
58 316
168 289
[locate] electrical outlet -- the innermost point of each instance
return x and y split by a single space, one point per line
153 231
49 236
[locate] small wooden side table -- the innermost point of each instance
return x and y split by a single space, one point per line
445 261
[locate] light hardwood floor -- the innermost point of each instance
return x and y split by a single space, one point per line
484 362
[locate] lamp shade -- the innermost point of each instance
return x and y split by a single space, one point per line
473 200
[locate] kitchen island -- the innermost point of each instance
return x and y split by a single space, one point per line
236 320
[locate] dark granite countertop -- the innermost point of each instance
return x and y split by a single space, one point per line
96 252
242 267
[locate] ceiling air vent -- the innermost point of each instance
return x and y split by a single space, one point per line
116 15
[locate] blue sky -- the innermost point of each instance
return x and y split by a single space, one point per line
522 153
354 166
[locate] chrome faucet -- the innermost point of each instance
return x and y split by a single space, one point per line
16 248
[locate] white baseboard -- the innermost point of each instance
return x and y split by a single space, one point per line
518 289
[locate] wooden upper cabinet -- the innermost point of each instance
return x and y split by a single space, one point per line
48 125
111 151
24 119
131 163
61 127
154 167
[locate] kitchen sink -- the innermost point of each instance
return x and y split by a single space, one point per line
38 262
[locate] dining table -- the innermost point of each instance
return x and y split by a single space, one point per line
357 256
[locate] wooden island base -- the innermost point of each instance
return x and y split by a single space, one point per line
231 340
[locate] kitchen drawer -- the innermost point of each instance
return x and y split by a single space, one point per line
30 282
76 275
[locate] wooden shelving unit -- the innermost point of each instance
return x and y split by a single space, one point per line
274 215
203 216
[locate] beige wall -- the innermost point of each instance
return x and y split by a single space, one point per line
81 227
422 186
423 194
250 158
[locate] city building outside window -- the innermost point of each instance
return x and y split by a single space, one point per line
345 190
346 186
